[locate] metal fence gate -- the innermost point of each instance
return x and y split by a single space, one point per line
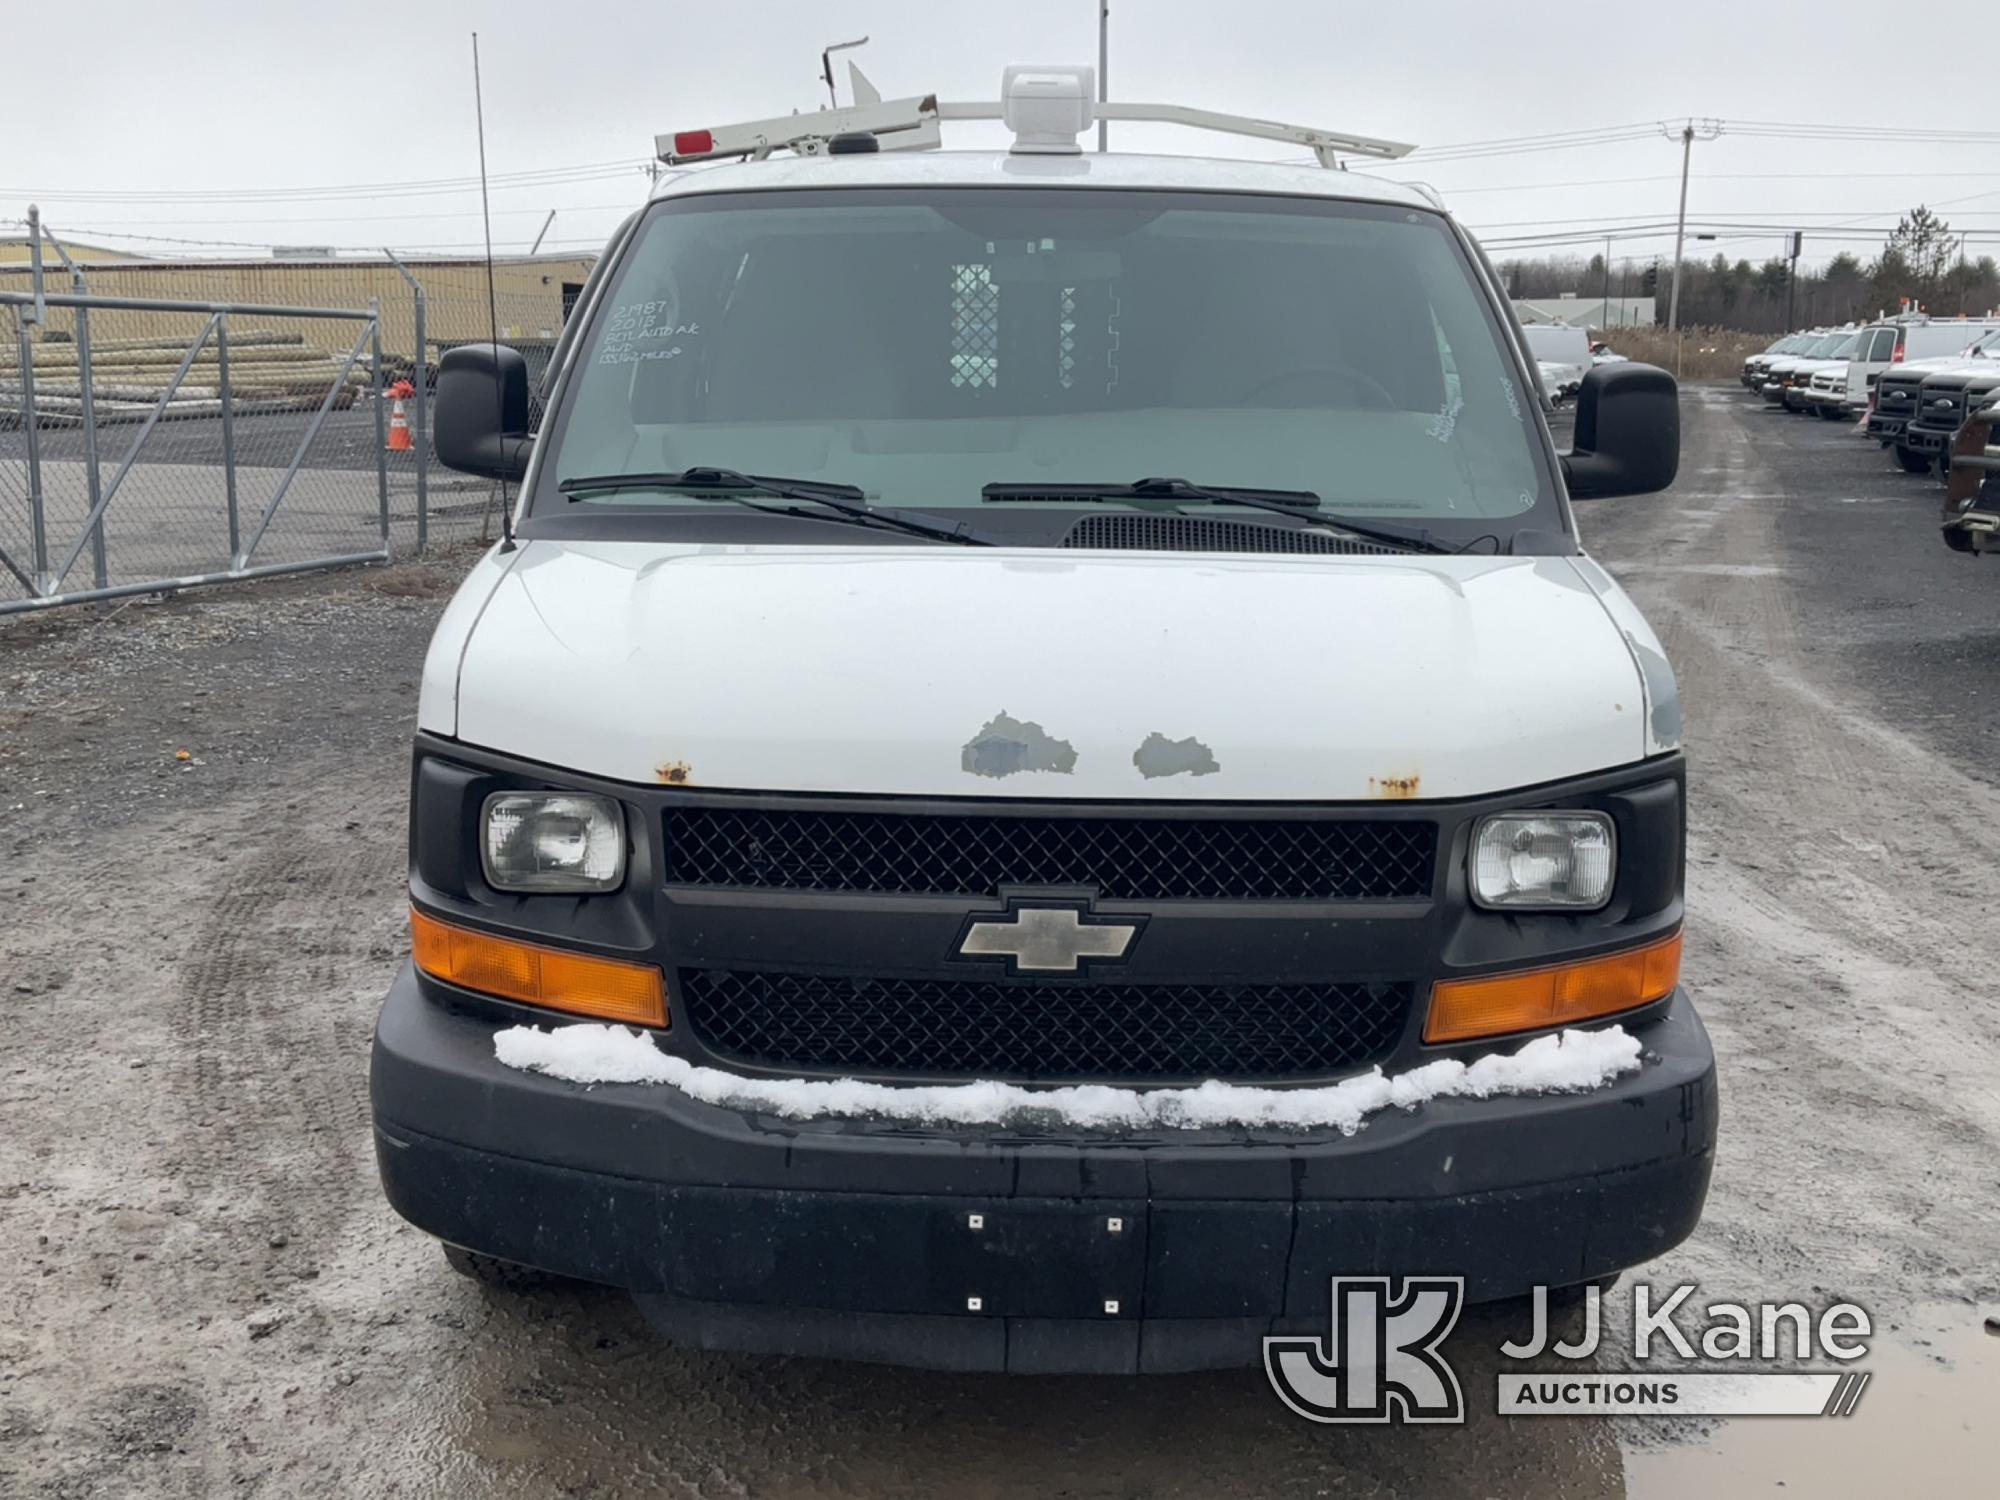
179 443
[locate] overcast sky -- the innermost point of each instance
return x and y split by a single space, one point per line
119 115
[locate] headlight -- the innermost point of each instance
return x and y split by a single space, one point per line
552 841
1543 861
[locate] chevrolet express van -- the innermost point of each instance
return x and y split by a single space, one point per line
1044 769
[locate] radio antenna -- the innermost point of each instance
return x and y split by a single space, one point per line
826 68
492 303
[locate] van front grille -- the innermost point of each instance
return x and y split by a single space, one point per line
1180 857
1039 1030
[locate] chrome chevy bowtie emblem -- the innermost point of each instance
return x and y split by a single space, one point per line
1048 939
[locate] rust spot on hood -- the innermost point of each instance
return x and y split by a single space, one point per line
1398 788
674 772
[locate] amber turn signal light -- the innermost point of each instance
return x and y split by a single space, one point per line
607 989
1561 995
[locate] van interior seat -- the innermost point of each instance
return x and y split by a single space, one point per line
798 338
1294 311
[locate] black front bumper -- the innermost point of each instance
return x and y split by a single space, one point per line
1931 440
1886 429
870 1240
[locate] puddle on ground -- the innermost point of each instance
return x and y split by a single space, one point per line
1709 570
572 1393
1926 1420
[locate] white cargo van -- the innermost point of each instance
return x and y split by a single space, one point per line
1883 345
1039 716
1787 379
1563 354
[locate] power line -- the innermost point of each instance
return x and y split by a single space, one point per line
420 187
1790 130
309 219
80 231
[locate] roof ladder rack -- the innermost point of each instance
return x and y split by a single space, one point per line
1324 144
1046 106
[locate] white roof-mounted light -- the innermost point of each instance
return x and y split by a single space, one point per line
1047 106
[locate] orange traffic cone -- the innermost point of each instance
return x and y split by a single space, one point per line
399 422
399 429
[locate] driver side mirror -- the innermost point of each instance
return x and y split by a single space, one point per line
480 412
1628 433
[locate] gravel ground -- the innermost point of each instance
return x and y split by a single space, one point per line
202 1292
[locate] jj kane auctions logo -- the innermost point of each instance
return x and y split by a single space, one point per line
1381 1359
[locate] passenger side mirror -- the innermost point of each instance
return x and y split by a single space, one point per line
481 411
1628 433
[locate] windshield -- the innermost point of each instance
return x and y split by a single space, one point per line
1842 347
922 344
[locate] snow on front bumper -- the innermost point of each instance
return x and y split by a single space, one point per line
591 1053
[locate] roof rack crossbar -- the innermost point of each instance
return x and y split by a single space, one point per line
904 124
1322 143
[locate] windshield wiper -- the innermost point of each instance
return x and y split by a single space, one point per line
1301 504
730 484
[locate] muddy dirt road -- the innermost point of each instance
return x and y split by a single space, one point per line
201 1291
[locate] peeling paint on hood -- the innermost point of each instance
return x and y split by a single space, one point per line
1159 756
1006 746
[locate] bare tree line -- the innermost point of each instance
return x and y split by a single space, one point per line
1923 264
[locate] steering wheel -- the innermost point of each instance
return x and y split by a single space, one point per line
1312 384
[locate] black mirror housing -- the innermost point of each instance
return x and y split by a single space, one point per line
480 412
1628 433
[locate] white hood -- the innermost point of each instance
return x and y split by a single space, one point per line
1949 364
1031 673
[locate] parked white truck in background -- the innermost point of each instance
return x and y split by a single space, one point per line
1841 391
1786 380
1563 353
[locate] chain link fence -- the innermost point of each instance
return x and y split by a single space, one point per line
101 361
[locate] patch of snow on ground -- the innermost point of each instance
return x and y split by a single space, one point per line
1571 1062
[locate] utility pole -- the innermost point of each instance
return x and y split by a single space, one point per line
1607 281
1103 71
1792 279
1689 133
